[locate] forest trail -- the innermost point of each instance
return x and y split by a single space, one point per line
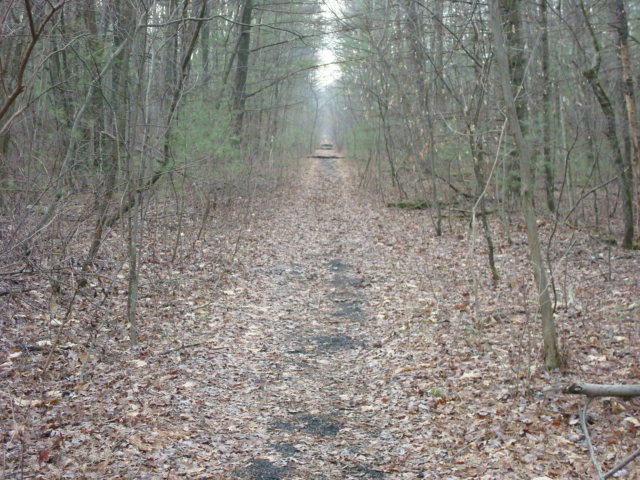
316 334
313 337
183 296
280 376
348 350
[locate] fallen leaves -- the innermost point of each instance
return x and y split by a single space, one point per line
137 441
341 339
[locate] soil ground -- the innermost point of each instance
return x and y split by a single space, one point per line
344 341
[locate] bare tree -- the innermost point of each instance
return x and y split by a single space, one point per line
551 353
242 65
622 162
547 120
630 120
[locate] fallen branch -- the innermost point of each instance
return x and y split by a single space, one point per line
591 391
4 293
190 345
587 437
595 390
623 464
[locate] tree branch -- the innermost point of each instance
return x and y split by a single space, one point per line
587 437
595 390
226 19
35 36
622 464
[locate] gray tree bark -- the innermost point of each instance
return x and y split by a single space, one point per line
622 162
547 159
550 343
242 66
621 27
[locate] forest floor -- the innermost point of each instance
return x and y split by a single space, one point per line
319 334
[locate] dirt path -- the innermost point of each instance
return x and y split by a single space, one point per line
280 368
357 355
342 343
313 331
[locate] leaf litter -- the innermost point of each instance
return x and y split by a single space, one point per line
336 338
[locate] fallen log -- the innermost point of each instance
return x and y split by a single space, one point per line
596 390
591 391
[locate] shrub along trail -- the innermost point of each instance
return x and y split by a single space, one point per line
342 344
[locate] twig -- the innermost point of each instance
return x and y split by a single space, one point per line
592 391
226 19
58 338
586 194
4 293
204 305
190 345
622 464
26 55
587 437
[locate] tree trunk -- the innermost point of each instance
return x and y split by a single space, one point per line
123 28
418 57
438 41
514 45
170 61
631 121
547 119
477 157
135 178
623 167
242 66
425 113
205 41
167 163
94 105
132 290
551 353
625 171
